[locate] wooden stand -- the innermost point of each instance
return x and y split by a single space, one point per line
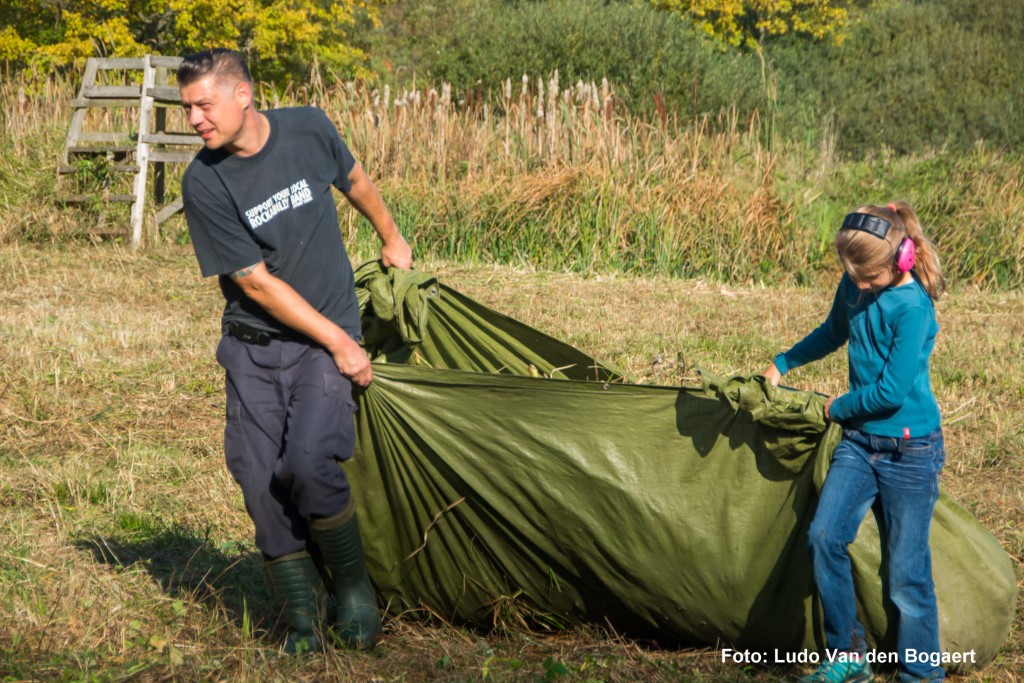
130 152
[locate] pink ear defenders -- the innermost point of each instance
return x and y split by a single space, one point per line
906 254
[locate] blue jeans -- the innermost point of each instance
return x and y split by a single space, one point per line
904 475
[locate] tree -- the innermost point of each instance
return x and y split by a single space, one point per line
748 22
282 38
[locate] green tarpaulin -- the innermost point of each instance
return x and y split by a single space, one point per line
503 475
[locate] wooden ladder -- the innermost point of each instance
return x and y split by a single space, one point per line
129 152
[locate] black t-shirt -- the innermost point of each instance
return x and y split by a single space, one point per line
276 207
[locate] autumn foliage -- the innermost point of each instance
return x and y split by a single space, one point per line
746 22
281 37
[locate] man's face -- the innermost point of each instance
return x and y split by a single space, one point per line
216 110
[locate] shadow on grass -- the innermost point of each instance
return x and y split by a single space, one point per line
188 566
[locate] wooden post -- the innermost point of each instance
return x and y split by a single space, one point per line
158 166
142 153
78 118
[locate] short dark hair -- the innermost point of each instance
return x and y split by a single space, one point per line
219 61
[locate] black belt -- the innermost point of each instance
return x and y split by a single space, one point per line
252 335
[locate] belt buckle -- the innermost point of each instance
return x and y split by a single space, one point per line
249 335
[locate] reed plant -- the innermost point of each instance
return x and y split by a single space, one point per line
564 176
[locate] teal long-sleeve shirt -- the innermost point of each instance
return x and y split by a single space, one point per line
891 335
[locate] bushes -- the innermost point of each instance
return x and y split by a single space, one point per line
641 50
580 187
912 76
591 191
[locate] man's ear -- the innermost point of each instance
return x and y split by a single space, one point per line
243 93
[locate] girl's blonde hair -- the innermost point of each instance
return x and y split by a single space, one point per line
864 255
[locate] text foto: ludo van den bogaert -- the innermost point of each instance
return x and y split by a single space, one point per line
813 657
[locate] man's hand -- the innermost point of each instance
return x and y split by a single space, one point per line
352 361
396 253
828 408
773 375
284 303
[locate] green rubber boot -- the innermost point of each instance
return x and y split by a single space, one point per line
356 620
294 578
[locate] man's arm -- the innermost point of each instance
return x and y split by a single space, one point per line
286 305
363 195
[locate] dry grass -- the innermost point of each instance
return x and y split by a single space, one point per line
125 552
563 177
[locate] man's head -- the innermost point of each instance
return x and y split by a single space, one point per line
226 64
216 92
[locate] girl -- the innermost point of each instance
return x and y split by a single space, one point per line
892 447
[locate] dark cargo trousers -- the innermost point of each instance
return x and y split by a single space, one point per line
289 423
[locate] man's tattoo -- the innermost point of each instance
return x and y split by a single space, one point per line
243 272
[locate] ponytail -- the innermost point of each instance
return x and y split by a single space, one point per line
927 267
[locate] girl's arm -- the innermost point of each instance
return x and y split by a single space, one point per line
828 337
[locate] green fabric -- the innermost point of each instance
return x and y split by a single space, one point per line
458 333
489 492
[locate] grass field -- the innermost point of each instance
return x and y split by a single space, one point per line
126 554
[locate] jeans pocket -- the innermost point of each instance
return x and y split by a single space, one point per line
928 445
921 446
927 452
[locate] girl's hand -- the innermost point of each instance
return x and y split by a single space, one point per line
773 374
828 408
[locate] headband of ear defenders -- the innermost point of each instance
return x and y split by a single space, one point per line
865 222
905 255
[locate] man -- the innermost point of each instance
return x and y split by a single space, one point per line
262 217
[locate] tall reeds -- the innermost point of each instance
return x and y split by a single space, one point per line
565 177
